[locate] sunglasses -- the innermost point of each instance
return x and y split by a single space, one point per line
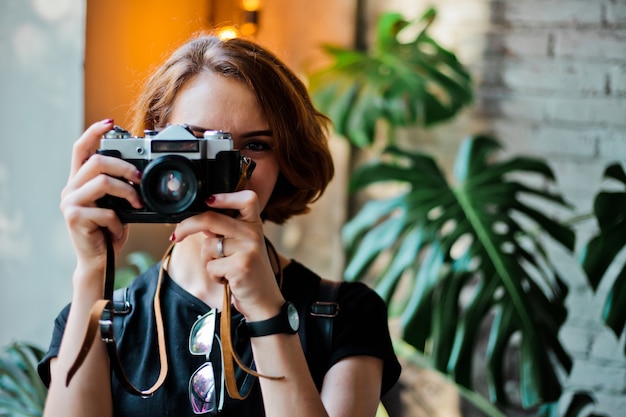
204 396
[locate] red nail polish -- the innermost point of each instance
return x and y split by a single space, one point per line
172 237
107 122
210 200
139 174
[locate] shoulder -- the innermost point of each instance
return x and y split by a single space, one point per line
360 328
362 309
301 282
363 330
359 293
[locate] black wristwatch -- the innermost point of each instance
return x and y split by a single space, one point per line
286 321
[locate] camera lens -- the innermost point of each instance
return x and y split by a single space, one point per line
172 186
169 185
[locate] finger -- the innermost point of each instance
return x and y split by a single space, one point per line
217 270
211 223
99 164
218 223
87 144
216 247
98 187
233 266
217 266
245 202
86 220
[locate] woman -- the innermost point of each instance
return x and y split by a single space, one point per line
235 86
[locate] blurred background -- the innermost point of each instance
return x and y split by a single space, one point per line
549 81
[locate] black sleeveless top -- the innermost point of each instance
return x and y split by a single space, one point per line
360 328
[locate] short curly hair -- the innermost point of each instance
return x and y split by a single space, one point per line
301 132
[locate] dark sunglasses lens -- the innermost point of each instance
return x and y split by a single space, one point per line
202 332
202 390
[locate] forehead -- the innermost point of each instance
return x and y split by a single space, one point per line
219 103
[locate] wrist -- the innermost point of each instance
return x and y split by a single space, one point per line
286 321
89 278
263 312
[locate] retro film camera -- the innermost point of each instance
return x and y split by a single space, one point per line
179 171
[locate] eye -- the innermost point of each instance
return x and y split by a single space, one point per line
256 146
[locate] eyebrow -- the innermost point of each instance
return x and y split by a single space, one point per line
245 135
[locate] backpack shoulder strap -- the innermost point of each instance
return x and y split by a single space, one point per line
325 309
121 303
121 307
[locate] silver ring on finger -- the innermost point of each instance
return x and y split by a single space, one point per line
220 247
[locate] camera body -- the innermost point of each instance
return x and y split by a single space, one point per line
179 171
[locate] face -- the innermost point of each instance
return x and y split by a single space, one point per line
213 102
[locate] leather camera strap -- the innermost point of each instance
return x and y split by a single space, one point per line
230 355
101 317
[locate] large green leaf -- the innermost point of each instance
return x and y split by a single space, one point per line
601 251
405 83
21 391
472 253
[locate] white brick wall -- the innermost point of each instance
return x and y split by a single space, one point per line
532 13
551 82
589 44
562 97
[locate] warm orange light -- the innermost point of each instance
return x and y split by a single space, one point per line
248 29
251 16
227 32
251 5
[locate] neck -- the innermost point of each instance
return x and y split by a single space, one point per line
188 271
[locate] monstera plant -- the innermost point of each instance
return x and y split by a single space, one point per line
22 394
603 249
405 83
449 256
467 253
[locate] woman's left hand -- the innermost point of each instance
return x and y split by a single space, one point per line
245 265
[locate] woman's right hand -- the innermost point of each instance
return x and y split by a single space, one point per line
93 176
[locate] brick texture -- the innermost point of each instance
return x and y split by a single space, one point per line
551 82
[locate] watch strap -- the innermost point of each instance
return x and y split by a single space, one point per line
280 323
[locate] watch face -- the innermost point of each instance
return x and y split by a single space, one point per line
293 317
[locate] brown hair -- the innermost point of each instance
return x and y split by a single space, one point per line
302 151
